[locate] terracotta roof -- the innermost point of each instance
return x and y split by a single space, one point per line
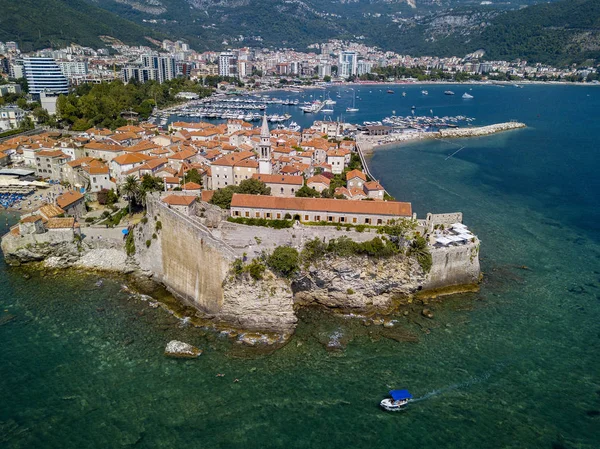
80 161
356 174
31 219
96 170
51 153
391 208
373 185
318 179
179 200
50 211
68 198
172 179
280 179
59 223
131 158
206 195
232 159
191 186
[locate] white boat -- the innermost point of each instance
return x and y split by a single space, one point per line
404 94
397 400
353 108
327 111
424 92
467 95
448 92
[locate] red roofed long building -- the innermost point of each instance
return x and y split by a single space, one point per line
319 209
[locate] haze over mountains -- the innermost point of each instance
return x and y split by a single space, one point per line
559 33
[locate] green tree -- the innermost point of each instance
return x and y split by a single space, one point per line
419 249
284 260
253 187
131 188
193 176
222 197
307 192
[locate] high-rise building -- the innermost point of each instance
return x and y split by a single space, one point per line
73 68
348 64
153 68
164 65
44 75
324 69
227 64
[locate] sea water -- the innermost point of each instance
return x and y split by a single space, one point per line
516 365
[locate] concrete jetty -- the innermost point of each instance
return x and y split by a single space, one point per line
367 144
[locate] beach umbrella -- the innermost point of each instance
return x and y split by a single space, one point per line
125 231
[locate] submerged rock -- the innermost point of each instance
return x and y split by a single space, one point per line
427 313
180 349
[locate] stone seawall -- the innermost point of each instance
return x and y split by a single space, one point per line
183 255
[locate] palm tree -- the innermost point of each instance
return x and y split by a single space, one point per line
131 188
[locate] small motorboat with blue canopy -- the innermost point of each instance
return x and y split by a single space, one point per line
397 400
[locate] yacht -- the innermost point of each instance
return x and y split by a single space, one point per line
353 108
424 92
448 92
397 400
467 95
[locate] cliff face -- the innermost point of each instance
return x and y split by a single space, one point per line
262 305
358 283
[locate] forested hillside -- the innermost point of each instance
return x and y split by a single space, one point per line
35 24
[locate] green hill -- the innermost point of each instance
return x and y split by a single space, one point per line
35 24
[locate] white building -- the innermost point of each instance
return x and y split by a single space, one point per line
226 64
44 75
73 68
348 64
11 117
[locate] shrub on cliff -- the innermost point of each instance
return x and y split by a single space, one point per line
313 250
419 250
284 260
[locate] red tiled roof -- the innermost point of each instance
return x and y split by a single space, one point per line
280 179
68 198
356 174
179 200
391 208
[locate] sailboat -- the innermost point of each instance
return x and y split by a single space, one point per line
353 108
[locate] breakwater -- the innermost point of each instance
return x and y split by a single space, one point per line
367 144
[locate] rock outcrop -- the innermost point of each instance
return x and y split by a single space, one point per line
182 350
266 305
358 283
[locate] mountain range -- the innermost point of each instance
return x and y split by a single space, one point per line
560 32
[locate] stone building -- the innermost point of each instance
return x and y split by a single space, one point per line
281 185
319 209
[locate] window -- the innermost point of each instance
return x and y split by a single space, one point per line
306 218
292 190
354 220
330 218
258 215
317 218
379 221
236 213
342 219
282 190
94 179
267 215
279 216
247 214
367 221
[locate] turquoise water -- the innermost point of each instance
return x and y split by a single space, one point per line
516 365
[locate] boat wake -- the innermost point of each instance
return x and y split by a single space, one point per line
468 383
